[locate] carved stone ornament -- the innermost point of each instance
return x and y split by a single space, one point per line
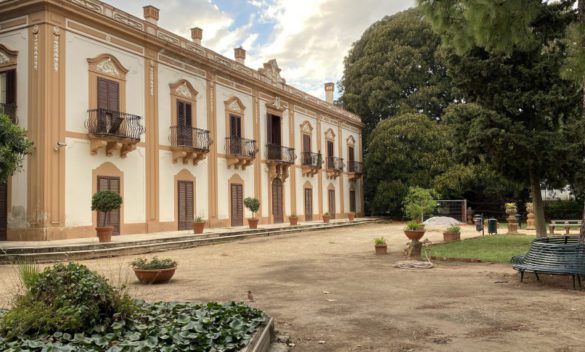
329 134
182 90
4 59
272 71
108 67
350 141
306 127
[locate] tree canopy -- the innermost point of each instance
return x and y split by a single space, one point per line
14 146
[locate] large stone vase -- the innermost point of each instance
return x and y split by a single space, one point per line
530 217
512 220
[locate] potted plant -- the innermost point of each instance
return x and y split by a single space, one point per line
511 208
293 219
414 231
380 245
453 233
155 271
253 205
351 216
326 217
198 225
105 202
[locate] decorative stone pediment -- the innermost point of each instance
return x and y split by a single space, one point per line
183 89
7 56
235 105
306 128
108 65
276 104
350 141
330 135
272 71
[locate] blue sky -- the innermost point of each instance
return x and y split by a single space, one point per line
308 38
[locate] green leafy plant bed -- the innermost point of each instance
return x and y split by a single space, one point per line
71 308
495 249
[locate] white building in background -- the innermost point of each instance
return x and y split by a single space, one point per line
113 101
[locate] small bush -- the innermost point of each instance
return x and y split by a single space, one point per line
418 202
106 201
413 226
68 298
563 210
379 241
199 219
252 204
154 263
454 229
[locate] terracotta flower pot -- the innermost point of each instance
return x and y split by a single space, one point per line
104 234
351 216
451 236
198 227
414 235
381 249
293 220
253 223
326 218
154 276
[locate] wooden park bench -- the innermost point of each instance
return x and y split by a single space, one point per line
558 255
567 224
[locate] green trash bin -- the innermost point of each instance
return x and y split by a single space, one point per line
492 226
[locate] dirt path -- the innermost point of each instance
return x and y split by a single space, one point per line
371 306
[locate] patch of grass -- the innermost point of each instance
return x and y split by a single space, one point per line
495 249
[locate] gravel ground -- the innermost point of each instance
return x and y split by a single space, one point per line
329 292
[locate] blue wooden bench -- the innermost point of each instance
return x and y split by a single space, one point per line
557 255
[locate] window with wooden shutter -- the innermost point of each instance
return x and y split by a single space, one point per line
350 154
106 183
308 204
332 203
3 210
330 149
277 211
184 123
108 95
352 201
237 205
185 205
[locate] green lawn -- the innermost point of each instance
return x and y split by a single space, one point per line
497 248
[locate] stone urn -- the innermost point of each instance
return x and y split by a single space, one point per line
512 211
530 225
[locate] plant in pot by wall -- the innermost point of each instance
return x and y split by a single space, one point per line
351 216
326 217
380 245
154 271
419 202
105 202
453 233
253 205
293 219
414 231
198 225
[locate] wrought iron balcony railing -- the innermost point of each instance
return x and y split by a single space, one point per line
10 110
313 160
241 147
107 123
279 153
335 163
188 137
355 167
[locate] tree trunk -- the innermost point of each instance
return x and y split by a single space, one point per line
581 7
539 221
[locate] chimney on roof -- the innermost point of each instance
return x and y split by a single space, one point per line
151 14
329 89
196 35
240 55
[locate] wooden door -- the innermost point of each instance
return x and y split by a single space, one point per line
308 204
106 183
235 135
186 204
332 203
184 124
3 211
277 211
237 205
352 201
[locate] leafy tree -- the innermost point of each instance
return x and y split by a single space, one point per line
106 201
524 120
253 205
418 202
14 146
394 69
404 151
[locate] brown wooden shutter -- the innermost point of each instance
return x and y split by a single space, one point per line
269 136
332 203
3 211
330 149
306 143
113 219
185 205
11 87
308 204
102 98
277 211
352 201
350 154
237 206
108 94
180 114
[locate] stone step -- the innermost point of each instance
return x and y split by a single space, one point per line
113 249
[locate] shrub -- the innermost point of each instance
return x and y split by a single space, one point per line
413 226
65 298
418 202
379 241
28 274
154 263
252 204
563 210
199 219
453 229
106 201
